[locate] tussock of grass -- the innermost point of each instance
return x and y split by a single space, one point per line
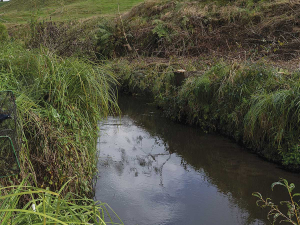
47 207
60 102
255 104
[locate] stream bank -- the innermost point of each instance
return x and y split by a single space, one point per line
155 171
254 104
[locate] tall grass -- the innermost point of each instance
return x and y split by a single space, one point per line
47 207
60 102
3 33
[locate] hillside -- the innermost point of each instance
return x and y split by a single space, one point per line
238 29
21 11
241 29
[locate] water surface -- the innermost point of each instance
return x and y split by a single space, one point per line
156 172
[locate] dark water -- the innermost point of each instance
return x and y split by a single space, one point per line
154 171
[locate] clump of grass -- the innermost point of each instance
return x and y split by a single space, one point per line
60 102
47 207
20 11
63 38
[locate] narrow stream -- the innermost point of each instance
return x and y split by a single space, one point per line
156 172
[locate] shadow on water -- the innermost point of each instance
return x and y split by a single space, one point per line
154 171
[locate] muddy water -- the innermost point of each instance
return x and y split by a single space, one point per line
156 172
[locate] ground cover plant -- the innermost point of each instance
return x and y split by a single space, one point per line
60 102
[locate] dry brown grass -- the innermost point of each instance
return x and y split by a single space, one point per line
266 29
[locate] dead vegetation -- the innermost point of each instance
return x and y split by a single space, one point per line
64 38
237 29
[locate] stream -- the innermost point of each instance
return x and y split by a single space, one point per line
153 171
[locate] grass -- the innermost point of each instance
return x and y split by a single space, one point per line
20 12
256 105
3 3
48 207
60 102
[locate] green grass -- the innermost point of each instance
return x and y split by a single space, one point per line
60 102
21 12
256 105
3 3
48 207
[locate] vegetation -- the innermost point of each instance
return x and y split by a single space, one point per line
21 11
2 3
60 102
240 83
255 104
292 215
227 29
46 207
3 33
228 48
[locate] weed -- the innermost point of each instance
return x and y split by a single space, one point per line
292 215
47 207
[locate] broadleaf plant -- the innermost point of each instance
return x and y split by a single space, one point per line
275 214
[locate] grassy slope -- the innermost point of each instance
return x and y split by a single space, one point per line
16 12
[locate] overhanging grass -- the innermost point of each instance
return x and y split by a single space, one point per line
60 102
252 103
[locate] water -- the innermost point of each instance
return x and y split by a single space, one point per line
156 172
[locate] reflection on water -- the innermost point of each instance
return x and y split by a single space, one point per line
154 171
